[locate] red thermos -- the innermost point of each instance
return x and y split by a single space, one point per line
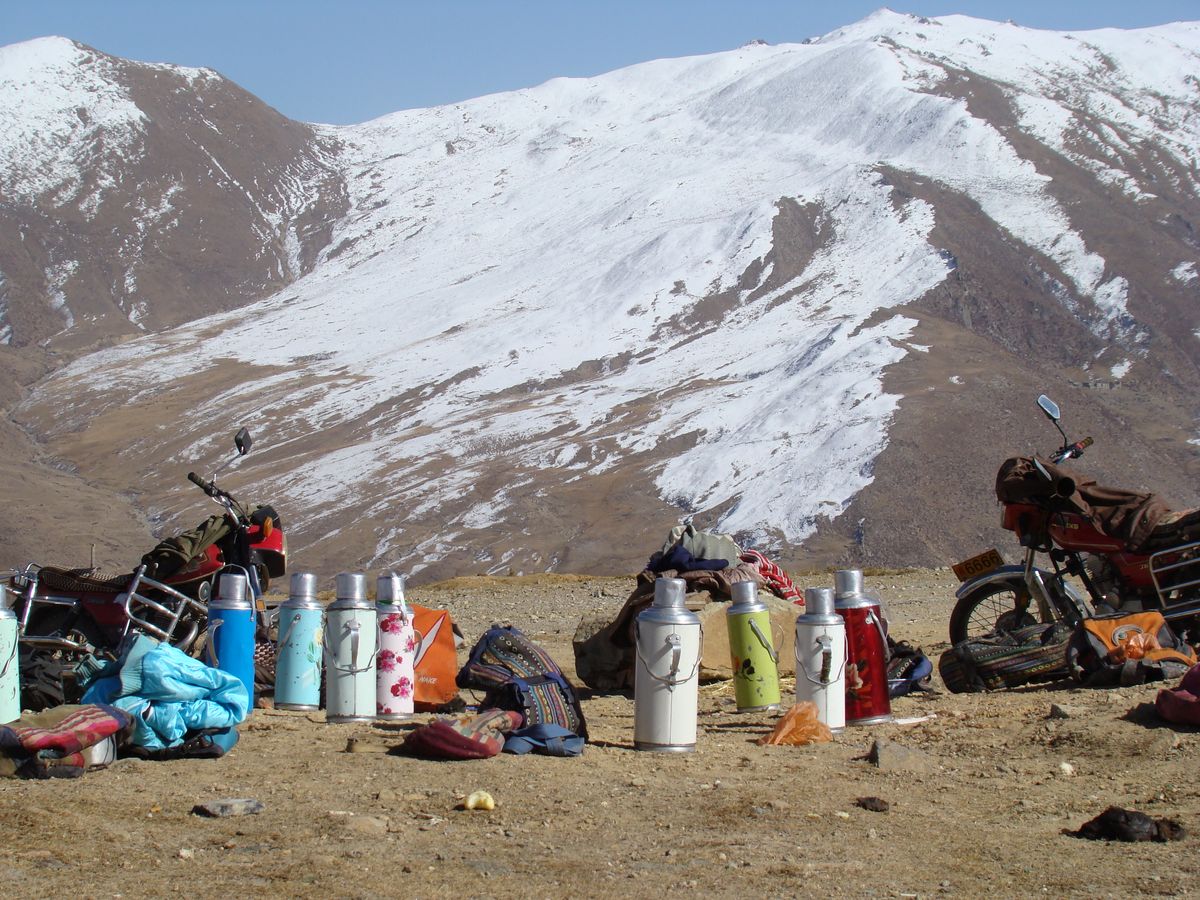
867 697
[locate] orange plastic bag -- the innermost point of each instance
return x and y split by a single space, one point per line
799 726
1136 646
436 662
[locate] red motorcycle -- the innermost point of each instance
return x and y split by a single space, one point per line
68 616
1126 550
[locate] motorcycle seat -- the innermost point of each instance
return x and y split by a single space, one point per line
83 580
1173 529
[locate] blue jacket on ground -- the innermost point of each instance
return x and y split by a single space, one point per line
171 695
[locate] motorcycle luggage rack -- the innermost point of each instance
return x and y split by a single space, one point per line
1172 575
139 608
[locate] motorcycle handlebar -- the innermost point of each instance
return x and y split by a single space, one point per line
207 486
1072 451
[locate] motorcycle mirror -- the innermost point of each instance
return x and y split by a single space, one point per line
243 441
1049 407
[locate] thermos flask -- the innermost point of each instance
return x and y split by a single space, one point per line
752 653
10 680
397 650
230 645
821 657
867 697
299 663
666 675
351 627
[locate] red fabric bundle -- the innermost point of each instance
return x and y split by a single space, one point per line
1181 704
467 737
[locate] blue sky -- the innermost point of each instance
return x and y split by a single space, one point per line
353 60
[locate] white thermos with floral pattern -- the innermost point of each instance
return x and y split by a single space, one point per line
397 650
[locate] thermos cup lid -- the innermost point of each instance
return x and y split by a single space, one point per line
351 586
351 590
848 589
669 592
669 605
819 601
847 582
304 584
231 592
389 589
745 599
303 592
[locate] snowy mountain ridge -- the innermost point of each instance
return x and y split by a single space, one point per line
690 277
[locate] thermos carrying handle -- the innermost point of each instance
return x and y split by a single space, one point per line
291 627
826 662
352 626
11 656
212 642
762 639
878 623
676 655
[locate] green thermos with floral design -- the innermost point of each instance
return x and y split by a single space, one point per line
752 653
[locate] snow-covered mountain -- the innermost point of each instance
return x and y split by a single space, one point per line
805 293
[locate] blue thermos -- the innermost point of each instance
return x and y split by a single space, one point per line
298 665
231 631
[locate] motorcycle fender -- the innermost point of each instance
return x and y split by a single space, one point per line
1003 575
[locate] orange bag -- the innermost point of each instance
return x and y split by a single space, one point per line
799 726
436 663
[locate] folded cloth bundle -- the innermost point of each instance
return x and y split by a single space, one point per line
62 742
1181 704
467 737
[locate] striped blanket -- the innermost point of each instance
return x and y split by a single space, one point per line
54 743
777 579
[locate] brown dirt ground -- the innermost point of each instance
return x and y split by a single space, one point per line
982 813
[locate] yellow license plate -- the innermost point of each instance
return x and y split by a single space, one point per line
978 565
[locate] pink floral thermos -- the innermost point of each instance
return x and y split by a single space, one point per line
397 650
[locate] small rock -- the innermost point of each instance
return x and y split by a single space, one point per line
842 814
223 809
367 824
186 853
888 756
1059 711
1066 769
339 815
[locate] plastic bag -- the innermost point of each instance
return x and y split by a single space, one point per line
1134 647
799 726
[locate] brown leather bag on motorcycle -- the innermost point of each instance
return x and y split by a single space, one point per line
1144 520
1125 649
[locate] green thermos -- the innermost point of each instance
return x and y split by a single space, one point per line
752 653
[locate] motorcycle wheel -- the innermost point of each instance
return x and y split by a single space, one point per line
988 609
46 673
